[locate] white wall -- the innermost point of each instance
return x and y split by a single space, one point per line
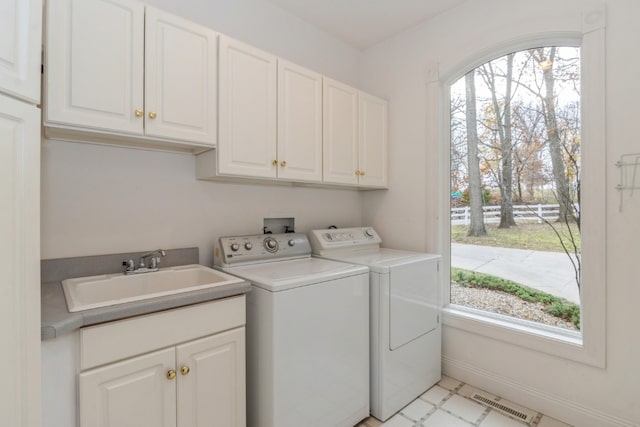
99 200
270 28
398 70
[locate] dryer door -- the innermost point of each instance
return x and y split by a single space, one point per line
413 301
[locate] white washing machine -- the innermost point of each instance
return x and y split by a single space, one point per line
405 334
307 332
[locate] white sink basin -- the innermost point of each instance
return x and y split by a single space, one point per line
84 293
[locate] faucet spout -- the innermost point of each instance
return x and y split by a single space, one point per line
142 264
156 252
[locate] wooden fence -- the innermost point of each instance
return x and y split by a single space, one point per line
521 213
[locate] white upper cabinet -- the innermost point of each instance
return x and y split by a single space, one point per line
94 64
372 146
340 126
110 75
299 123
247 111
270 118
355 137
180 78
21 23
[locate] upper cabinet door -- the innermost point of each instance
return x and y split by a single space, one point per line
340 133
94 64
21 23
299 123
247 110
372 141
180 79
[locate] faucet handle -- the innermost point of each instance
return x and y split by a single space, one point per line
129 264
153 263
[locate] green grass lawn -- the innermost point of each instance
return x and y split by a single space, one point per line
539 237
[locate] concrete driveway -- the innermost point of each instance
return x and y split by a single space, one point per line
550 272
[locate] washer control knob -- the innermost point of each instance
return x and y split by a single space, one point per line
235 247
291 242
369 233
270 244
248 246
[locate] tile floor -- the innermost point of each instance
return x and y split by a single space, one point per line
450 403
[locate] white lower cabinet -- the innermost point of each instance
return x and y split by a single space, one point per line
134 392
196 383
212 392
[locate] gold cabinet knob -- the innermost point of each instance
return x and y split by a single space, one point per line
138 112
274 163
283 163
361 173
152 115
171 374
358 173
185 370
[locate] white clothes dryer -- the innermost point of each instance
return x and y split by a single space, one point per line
307 332
405 330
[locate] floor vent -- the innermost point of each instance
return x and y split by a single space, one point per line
527 418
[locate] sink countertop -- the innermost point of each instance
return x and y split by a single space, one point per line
56 320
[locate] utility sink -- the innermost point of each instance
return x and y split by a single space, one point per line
84 293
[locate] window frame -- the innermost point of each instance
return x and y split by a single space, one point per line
589 345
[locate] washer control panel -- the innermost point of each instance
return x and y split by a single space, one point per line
257 248
323 241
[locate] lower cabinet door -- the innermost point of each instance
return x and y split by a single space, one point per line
136 392
211 387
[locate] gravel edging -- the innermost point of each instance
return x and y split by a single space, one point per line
505 303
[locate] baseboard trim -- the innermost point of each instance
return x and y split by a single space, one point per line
542 401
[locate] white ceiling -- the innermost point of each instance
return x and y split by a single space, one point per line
363 23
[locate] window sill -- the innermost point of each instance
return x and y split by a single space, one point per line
542 338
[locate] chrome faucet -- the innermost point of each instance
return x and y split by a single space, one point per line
142 267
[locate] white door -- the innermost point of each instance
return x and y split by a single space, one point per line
136 392
180 79
20 262
21 23
94 64
340 133
247 110
211 387
372 147
299 123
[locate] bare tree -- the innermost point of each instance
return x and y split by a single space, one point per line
458 147
503 128
529 143
476 225
546 59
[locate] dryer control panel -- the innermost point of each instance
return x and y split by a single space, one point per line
335 239
257 248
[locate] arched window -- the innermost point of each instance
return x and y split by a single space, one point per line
507 121
515 187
